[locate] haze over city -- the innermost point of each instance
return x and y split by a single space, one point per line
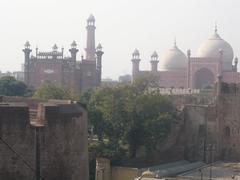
122 26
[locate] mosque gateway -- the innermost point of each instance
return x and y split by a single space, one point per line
67 71
214 59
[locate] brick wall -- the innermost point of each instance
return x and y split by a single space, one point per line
64 153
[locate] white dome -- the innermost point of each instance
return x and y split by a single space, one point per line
213 47
173 59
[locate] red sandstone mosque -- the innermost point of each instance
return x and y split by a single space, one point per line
214 59
53 66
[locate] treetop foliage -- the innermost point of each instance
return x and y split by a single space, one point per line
9 86
52 91
127 117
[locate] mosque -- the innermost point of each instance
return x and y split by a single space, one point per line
214 59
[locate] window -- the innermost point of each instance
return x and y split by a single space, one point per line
89 73
227 132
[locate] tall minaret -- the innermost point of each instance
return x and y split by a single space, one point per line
90 49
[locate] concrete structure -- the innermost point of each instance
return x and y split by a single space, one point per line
215 58
218 170
53 67
63 139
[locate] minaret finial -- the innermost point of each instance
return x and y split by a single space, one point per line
215 28
175 41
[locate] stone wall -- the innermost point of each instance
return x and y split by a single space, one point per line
64 153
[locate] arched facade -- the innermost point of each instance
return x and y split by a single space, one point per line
204 79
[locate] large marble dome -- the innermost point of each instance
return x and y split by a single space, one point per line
214 47
174 59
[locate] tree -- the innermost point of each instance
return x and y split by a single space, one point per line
127 117
9 86
52 91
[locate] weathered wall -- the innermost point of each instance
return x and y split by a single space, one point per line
120 173
16 131
200 130
228 106
64 153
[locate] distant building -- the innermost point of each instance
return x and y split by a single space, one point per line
109 82
215 59
53 67
18 75
125 78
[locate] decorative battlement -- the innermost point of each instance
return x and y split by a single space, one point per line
50 55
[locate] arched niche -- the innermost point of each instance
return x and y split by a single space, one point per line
204 79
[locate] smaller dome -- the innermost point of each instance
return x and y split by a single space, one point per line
155 54
173 59
136 52
27 44
55 47
148 174
91 18
99 47
74 44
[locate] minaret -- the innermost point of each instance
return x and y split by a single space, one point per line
235 64
90 49
27 52
135 64
154 62
188 67
99 54
73 51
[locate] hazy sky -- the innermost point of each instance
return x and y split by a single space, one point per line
122 26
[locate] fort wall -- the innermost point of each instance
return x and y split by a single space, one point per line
63 142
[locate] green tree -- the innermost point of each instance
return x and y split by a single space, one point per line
9 86
127 117
52 91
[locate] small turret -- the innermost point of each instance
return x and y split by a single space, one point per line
154 62
235 64
27 52
188 67
189 53
27 45
54 48
91 20
135 64
74 51
99 54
